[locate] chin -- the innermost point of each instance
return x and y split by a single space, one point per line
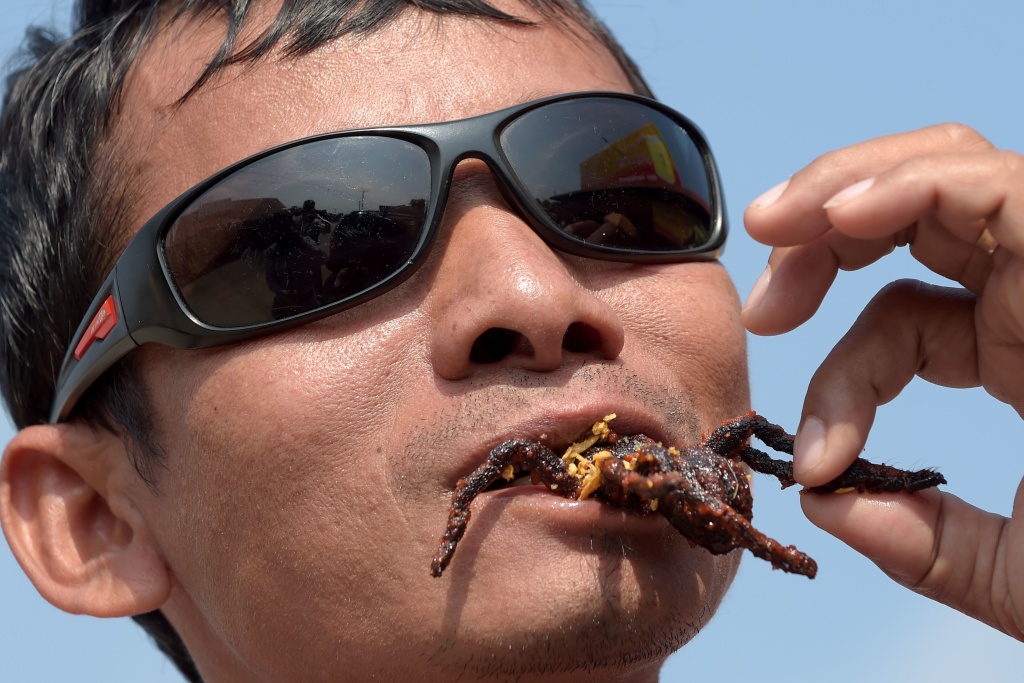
601 604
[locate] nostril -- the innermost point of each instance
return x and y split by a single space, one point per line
581 338
495 344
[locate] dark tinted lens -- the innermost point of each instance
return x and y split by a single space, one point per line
615 173
300 229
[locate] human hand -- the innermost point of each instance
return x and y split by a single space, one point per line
959 204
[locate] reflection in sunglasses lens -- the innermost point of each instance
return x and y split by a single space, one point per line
613 173
300 229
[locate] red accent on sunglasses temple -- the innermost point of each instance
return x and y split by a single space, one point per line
102 323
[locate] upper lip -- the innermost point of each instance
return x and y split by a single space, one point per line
559 428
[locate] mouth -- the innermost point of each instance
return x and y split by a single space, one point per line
559 433
573 472
518 480
581 463
577 453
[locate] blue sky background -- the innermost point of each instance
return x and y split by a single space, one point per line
773 84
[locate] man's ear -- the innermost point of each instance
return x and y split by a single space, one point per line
66 510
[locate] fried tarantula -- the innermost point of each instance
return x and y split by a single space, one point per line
703 491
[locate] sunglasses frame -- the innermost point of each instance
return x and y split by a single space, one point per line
138 302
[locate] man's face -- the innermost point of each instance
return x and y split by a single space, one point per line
309 472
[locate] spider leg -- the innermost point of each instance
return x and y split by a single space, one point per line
759 461
739 532
870 477
733 435
539 460
703 519
729 440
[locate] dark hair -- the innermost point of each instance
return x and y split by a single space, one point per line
64 191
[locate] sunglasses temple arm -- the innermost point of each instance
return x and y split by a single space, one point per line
101 340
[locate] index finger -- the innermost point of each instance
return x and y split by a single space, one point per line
793 213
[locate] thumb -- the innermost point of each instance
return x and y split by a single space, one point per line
937 545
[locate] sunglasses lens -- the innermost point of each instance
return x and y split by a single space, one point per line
614 174
300 229
333 220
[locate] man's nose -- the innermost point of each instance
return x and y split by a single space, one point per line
503 296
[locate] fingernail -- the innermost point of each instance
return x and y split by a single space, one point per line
809 446
769 197
849 193
757 292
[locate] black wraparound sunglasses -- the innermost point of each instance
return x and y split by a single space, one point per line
314 226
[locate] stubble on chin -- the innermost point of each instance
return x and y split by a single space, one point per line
625 624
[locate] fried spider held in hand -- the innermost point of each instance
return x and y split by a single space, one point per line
703 491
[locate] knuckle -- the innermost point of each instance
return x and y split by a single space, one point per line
889 309
1012 162
963 137
899 294
908 301
890 150
829 163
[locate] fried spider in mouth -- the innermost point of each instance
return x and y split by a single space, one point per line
703 491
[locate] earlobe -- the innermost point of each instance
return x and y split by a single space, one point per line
84 546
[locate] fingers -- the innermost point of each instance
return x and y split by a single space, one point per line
930 541
932 188
909 328
792 213
1000 326
957 202
965 192
937 545
795 282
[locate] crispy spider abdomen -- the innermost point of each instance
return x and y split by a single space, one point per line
700 468
508 458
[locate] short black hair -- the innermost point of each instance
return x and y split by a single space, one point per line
65 191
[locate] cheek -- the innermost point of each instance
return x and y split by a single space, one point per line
685 319
283 447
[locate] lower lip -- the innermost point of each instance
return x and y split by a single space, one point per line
567 512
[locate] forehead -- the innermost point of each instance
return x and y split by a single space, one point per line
420 68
